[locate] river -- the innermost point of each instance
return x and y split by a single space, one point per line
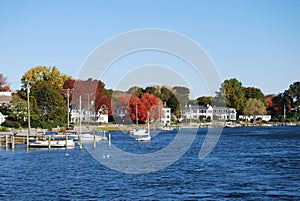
261 163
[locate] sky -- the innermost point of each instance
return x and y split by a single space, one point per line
257 42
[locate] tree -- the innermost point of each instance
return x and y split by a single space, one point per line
3 83
49 103
204 100
43 73
234 94
293 95
139 108
137 91
252 92
152 105
182 94
136 110
254 107
155 90
17 110
102 99
168 97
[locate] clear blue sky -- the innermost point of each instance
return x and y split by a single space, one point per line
257 42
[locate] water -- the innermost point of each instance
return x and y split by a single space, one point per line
246 164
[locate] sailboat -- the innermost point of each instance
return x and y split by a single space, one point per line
137 131
143 135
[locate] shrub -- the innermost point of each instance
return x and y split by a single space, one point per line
11 124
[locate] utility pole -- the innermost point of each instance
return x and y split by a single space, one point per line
68 104
80 115
284 112
28 112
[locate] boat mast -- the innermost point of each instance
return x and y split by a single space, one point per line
136 115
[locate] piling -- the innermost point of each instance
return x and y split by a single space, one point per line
0 140
49 142
109 140
66 141
6 142
12 141
79 142
94 141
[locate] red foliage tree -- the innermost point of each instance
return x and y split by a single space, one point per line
84 88
139 108
3 84
69 85
151 104
269 101
102 99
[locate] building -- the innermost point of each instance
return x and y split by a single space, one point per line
5 97
166 116
262 117
88 116
2 118
196 112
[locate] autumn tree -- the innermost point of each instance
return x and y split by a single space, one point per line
136 110
86 89
254 107
46 96
103 101
152 105
43 73
140 107
3 83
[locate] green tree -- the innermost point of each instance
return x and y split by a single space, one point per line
252 92
50 104
182 94
137 91
234 93
18 110
168 97
294 95
204 100
254 107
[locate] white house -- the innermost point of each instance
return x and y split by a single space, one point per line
166 116
196 112
88 116
5 97
2 118
262 117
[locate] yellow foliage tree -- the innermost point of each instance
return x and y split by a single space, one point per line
44 73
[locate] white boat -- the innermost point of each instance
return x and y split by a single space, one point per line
143 138
137 132
87 137
229 126
143 135
53 144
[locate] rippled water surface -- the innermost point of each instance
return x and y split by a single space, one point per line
246 164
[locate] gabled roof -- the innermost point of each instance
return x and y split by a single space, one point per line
5 98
